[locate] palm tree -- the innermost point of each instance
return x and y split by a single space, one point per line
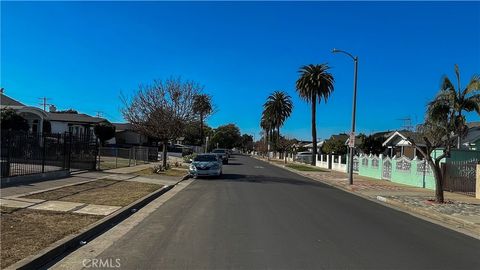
455 101
315 82
266 124
278 108
202 105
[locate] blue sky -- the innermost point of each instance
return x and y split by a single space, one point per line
82 55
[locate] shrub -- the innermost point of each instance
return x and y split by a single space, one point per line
186 159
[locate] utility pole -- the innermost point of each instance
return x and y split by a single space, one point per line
407 123
44 102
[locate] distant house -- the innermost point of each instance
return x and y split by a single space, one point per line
34 116
75 123
60 122
309 146
398 145
301 146
126 136
472 140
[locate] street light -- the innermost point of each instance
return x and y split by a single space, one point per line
354 108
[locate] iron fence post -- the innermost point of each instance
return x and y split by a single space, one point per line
129 156
9 156
135 156
43 153
69 159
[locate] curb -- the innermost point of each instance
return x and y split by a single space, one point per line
69 244
445 221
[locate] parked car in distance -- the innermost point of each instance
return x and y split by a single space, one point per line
304 157
222 154
205 165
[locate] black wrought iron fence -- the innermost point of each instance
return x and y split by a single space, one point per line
460 176
29 153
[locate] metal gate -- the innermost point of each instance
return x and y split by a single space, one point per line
82 151
355 164
24 153
460 176
387 169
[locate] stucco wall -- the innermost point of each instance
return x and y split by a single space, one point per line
403 170
59 127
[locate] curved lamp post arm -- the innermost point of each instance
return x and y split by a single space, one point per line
355 58
354 109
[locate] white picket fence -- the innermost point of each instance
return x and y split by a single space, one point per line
322 161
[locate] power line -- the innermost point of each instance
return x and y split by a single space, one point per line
407 123
44 102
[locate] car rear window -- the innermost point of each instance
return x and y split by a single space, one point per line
205 158
218 151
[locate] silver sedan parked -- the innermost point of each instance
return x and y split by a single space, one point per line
206 165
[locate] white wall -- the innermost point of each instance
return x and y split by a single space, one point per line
59 127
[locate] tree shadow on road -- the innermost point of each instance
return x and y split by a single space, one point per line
231 177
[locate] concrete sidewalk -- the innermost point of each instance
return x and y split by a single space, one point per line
459 211
50 184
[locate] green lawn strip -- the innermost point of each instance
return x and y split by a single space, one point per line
305 168
104 192
25 231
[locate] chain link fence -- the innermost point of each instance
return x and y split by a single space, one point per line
115 157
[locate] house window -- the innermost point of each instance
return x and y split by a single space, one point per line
34 126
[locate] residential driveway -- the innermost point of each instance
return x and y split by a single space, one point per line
258 216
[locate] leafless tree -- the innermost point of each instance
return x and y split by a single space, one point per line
162 109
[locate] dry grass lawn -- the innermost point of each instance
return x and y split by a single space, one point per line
25 232
103 191
281 162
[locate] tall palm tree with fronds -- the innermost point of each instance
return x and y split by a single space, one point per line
278 108
315 83
202 105
455 101
266 124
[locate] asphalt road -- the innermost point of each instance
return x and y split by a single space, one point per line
258 216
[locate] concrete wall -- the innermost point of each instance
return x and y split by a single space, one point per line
336 161
403 170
